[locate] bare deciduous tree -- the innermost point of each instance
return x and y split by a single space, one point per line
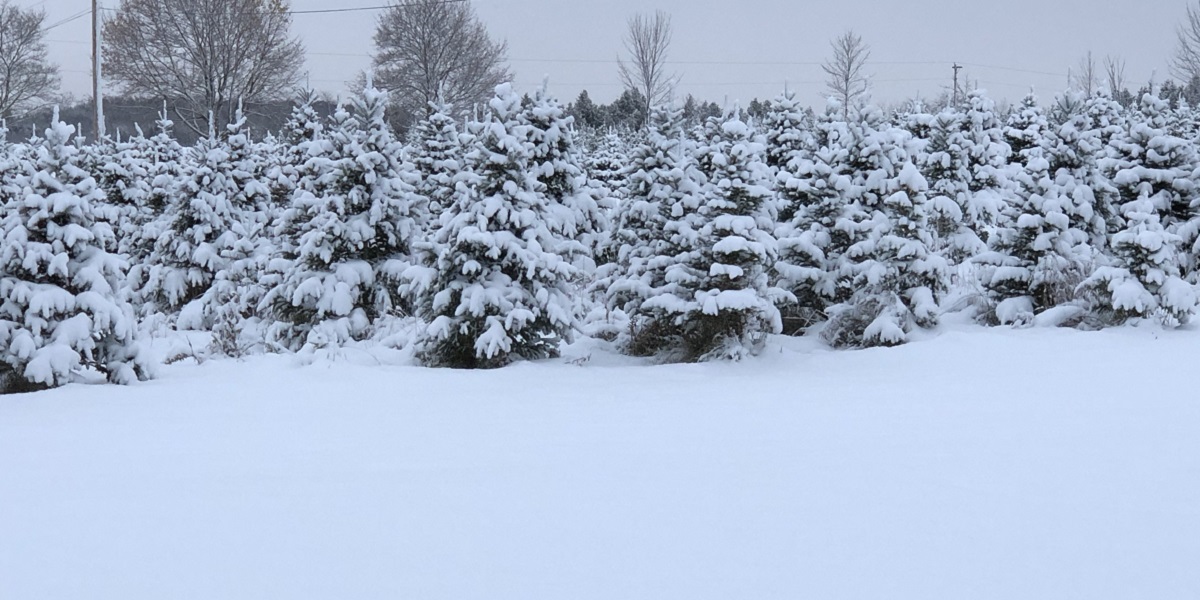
432 50
1114 72
647 40
847 82
26 74
1186 64
204 56
1086 75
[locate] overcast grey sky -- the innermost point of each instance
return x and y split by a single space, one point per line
726 52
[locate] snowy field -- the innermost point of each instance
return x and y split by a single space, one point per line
974 464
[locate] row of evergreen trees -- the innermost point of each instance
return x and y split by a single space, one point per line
505 234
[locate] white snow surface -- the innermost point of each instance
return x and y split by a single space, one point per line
1031 463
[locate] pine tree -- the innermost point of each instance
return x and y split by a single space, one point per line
1037 261
204 231
581 205
721 302
1074 149
965 165
122 174
438 154
1026 127
1146 162
662 193
788 131
1144 280
810 193
302 127
61 309
499 290
894 279
354 215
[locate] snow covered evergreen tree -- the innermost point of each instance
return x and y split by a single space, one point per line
1040 257
354 217
788 129
122 174
893 278
1026 127
303 126
721 302
606 160
810 191
1074 149
499 289
580 205
437 155
204 231
1146 162
1144 280
656 227
965 165
61 309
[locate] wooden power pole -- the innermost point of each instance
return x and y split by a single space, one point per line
956 68
97 73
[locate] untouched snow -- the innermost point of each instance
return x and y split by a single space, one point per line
976 464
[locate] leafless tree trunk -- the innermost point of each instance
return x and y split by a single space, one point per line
26 74
1114 71
430 50
203 55
647 41
1086 75
847 81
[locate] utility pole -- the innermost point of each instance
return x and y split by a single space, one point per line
956 68
97 73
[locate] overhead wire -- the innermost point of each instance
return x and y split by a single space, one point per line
323 11
74 17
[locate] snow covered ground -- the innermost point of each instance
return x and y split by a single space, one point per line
975 464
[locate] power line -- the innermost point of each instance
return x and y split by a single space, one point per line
74 17
716 62
324 11
368 8
1013 69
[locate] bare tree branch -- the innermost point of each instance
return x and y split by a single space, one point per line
27 78
647 41
203 55
848 84
1186 64
1086 76
1114 71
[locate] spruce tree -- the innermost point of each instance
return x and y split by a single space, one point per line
1146 162
437 156
788 131
722 303
354 215
204 230
662 194
893 278
1026 127
61 306
1143 281
499 289
579 204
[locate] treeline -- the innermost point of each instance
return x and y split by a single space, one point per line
496 238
